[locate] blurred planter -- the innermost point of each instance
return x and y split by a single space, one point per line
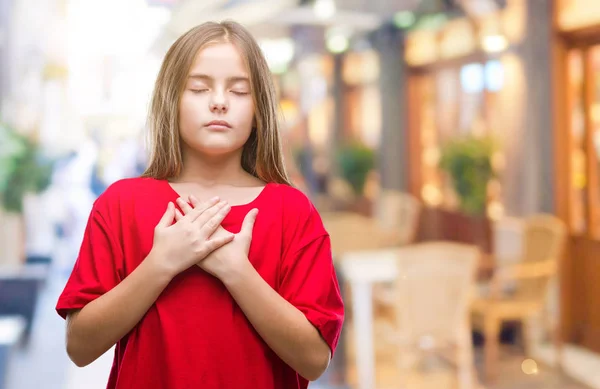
12 239
342 197
23 170
441 224
362 205
355 162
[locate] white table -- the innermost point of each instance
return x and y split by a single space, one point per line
11 331
361 270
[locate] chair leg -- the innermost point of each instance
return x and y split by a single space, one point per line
558 347
553 328
528 336
491 329
467 377
407 359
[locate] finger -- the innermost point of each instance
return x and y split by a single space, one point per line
248 224
214 222
196 203
184 205
203 218
215 243
178 215
200 208
167 218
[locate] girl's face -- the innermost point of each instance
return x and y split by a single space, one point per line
216 110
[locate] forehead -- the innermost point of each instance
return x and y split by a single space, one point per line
220 60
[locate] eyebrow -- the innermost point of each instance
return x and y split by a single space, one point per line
205 77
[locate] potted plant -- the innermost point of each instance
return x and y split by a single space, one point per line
355 162
468 162
23 170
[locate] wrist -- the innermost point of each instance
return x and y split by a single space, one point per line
158 268
237 274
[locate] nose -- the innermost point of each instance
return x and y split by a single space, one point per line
218 107
218 104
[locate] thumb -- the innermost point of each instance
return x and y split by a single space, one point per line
248 224
167 219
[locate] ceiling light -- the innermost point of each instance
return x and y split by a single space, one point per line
337 44
324 9
278 53
494 43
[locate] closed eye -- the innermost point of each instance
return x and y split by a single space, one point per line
240 93
198 90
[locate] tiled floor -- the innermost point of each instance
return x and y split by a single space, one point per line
436 375
44 364
512 376
578 362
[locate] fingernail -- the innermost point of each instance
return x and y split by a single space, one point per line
215 198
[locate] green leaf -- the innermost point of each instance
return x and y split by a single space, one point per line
355 161
467 161
23 169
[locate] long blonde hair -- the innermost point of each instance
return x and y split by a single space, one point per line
262 155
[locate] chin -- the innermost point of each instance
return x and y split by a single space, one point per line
217 150
214 145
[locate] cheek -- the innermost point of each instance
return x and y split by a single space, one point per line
186 109
189 114
246 113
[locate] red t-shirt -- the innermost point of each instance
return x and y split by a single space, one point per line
195 335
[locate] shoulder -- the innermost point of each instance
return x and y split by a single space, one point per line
128 185
291 195
299 214
122 193
295 202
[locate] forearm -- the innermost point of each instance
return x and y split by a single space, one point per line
281 325
103 322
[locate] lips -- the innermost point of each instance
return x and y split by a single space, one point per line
218 124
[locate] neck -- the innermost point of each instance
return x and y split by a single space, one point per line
212 170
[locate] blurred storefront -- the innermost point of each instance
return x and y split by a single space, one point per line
527 76
475 77
456 88
385 84
334 102
577 183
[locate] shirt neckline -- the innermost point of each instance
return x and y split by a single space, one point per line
250 204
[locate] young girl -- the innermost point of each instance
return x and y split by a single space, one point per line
208 293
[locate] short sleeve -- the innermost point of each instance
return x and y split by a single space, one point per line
96 268
309 282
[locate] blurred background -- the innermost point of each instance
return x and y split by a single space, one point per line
451 146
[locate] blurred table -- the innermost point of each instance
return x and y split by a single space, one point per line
11 331
361 270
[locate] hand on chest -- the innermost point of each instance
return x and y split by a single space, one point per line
265 245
